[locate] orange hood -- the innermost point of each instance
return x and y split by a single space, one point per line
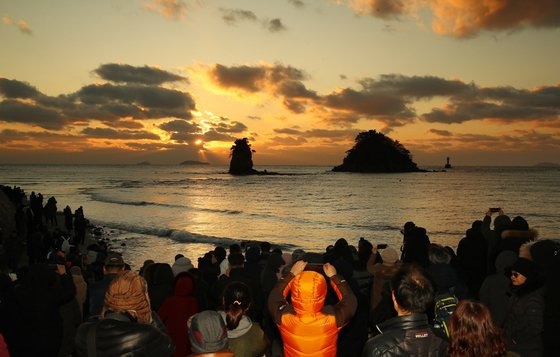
308 292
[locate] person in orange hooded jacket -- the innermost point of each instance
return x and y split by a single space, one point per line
307 326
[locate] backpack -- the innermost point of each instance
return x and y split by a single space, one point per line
444 305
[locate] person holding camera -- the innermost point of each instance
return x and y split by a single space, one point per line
307 326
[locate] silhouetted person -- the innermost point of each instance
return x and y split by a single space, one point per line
471 256
68 219
50 212
39 298
114 264
80 224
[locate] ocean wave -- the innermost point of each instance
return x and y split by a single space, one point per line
177 234
100 198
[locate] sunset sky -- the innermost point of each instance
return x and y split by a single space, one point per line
124 81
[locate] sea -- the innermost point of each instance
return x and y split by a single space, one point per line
155 212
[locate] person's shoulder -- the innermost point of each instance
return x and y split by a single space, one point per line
381 345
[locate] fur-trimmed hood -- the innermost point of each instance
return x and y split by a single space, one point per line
529 235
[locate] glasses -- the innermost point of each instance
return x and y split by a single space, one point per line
515 274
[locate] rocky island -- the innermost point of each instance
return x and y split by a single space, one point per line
242 158
374 152
194 162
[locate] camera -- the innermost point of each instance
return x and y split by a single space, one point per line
496 209
381 246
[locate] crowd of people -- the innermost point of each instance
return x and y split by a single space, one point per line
497 295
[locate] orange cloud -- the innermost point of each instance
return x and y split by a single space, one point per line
170 9
466 18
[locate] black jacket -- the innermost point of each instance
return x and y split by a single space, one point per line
523 326
409 335
117 335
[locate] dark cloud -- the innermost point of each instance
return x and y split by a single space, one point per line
128 124
13 111
383 8
287 140
149 146
213 135
108 133
254 117
184 137
318 133
294 106
275 25
233 127
467 18
240 77
116 72
297 3
11 88
387 107
415 86
156 102
289 131
505 104
180 126
441 132
232 16
391 98
278 80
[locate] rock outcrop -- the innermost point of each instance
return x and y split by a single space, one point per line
375 152
242 158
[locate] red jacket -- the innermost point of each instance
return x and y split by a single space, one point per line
175 312
309 328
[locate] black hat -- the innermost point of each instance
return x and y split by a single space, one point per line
525 267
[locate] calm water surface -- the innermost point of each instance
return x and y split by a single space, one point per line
159 211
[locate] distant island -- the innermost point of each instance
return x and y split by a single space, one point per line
194 162
374 152
144 163
547 164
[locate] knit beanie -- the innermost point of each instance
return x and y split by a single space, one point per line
128 292
207 332
525 267
389 256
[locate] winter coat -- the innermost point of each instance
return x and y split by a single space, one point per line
176 311
513 239
3 348
97 292
492 237
38 324
117 335
81 290
408 335
71 319
307 326
494 292
381 273
247 339
446 279
523 325
161 284
471 258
